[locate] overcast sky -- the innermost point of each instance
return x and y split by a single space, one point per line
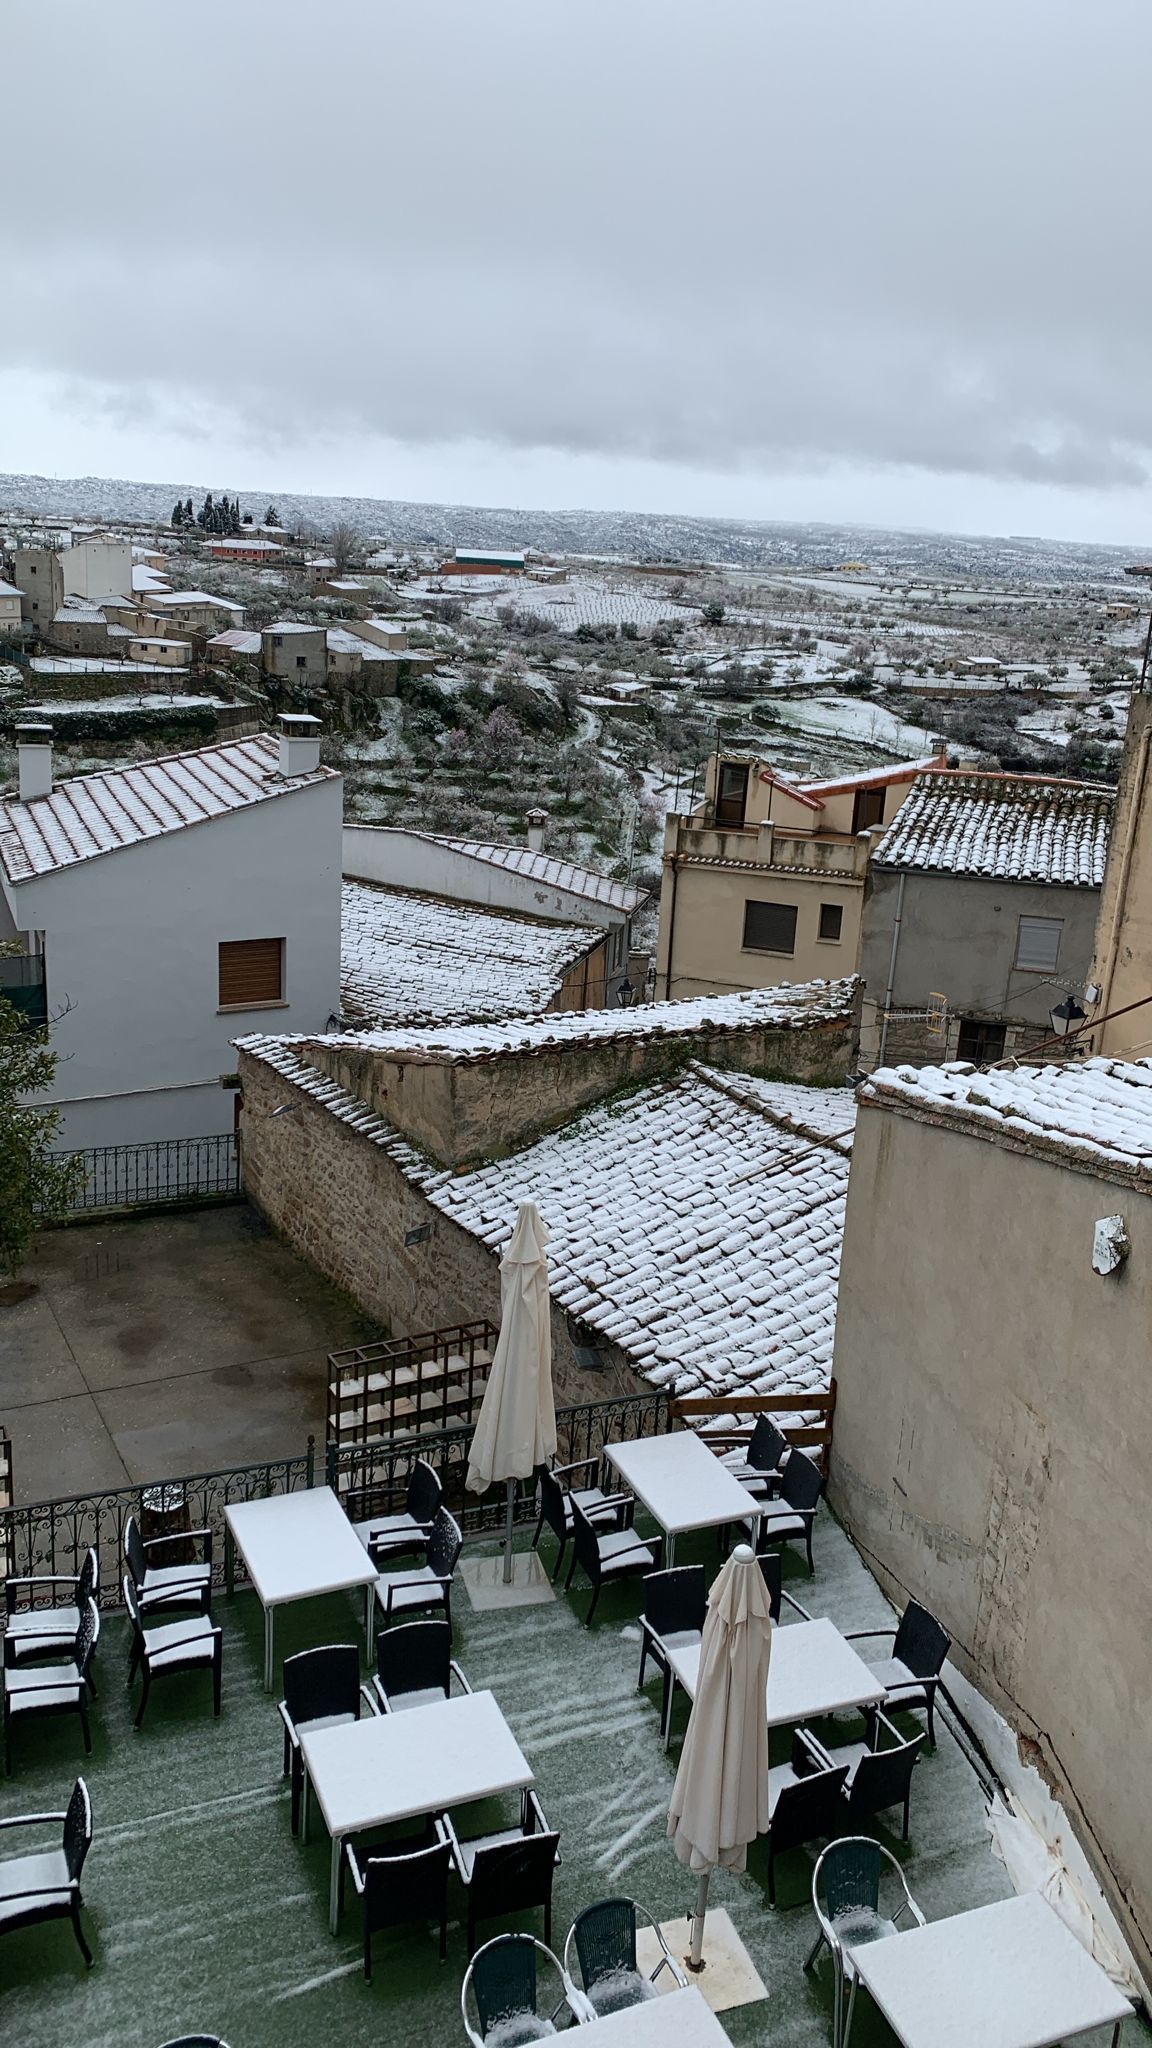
827 260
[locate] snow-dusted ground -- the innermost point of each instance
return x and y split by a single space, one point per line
584 601
856 718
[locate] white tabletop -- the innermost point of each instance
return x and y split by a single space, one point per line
298 1544
682 1485
813 1671
394 1766
1009 1975
679 2019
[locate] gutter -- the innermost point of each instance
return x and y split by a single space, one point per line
674 861
888 993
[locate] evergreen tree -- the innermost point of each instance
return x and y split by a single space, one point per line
34 1187
189 515
207 514
178 515
271 516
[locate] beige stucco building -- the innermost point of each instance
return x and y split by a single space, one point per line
765 881
1122 970
9 608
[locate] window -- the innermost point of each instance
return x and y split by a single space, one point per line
868 809
770 927
251 973
980 1041
831 922
301 661
731 792
1038 943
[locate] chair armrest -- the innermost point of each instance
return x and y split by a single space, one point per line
42 1579
183 1536
809 1755
577 1465
42 1891
53 1684
667 1959
880 1720
859 1635
801 1611
532 1809
453 1841
909 1906
289 1724
354 1867
178 1642
454 1671
369 1699
32 1820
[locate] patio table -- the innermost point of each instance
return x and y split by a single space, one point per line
296 1546
678 2019
1010 1975
813 1672
682 1485
393 1767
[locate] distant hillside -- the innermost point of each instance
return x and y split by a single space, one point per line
632 536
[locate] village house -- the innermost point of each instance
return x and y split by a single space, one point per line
1118 998
198 611
38 576
10 609
292 652
484 562
248 547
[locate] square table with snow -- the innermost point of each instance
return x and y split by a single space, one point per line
813 1671
297 1546
682 1485
1009 1975
393 1767
680 2019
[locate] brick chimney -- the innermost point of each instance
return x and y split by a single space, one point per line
299 744
34 760
536 821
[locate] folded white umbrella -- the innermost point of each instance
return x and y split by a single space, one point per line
516 1427
720 1798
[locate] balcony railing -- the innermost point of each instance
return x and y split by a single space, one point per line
22 984
172 1172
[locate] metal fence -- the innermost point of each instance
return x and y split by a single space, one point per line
169 1172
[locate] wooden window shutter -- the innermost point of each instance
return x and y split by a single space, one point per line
251 973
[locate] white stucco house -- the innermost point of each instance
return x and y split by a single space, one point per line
164 909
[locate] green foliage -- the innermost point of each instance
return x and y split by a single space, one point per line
111 728
712 614
34 1187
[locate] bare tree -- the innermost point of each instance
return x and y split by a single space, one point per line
344 545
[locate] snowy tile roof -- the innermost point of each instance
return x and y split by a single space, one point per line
557 874
1011 828
95 814
409 959
341 641
1100 1112
235 640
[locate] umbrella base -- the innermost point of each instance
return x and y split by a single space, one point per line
729 1977
486 1586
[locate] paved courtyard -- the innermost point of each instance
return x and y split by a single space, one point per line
163 1345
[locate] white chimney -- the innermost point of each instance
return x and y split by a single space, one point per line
536 821
299 744
34 760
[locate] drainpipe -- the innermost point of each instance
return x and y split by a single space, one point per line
891 971
675 860
1134 810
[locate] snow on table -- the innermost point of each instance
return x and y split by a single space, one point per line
297 1545
680 2019
813 1671
681 1484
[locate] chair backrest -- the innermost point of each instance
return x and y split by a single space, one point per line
605 1939
87 1637
772 1569
88 1578
416 1657
767 1445
444 1545
801 1483
881 1778
810 1807
197 2041
398 1889
512 1877
585 1543
77 1829
134 1554
676 1601
424 1493
850 1870
322 1682
920 1642
503 1976
552 1499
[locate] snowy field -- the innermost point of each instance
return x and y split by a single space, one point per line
584 601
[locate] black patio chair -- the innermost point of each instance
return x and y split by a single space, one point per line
772 1571
194 1644
322 1689
607 1555
879 1772
401 1881
197 2041
510 1871
604 1940
31 1689
804 1802
911 1674
760 1465
168 1588
557 1495
850 1873
31 1632
502 1977
789 1519
45 1884
675 1604
428 1586
386 1536
415 1666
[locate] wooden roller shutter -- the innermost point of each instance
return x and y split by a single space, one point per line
251 973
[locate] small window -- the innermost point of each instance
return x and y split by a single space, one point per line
980 1041
868 809
251 973
831 922
1038 944
770 927
277 639
731 792
301 661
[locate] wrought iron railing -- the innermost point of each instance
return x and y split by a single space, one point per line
430 1381
170 1171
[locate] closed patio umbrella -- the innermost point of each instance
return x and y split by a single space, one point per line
720 1798
516 1428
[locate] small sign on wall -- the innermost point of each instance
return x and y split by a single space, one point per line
1110 1244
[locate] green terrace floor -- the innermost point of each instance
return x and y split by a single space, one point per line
205 1913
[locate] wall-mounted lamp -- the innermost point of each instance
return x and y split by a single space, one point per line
1066 1017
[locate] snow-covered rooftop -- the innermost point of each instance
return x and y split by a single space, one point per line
341 641
409 959
95 814
557 874
235 640
8 589
172 598
1011 828
1100 1112
873 778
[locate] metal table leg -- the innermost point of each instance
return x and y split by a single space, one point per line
334 1888
229 1562
670 1552
268 1614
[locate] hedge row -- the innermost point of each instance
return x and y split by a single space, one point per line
96 727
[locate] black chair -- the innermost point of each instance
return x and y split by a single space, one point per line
52 1688
852 1873
804 1802
197 2041
604 1939
32 1632
169 1588
427 1586
415 1665
879 1772
510 1871
608 1555
772 1571
675 1604
911 1674
402 1881
45 1884
502 1977
760 1466
789 1519
556 1501
322 1689
385 1536
194 1644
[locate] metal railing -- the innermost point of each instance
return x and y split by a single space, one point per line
431 1381
167 1172
804 1418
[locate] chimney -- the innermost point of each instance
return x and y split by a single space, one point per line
536 821
299 744
34 760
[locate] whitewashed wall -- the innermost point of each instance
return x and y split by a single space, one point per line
407 860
